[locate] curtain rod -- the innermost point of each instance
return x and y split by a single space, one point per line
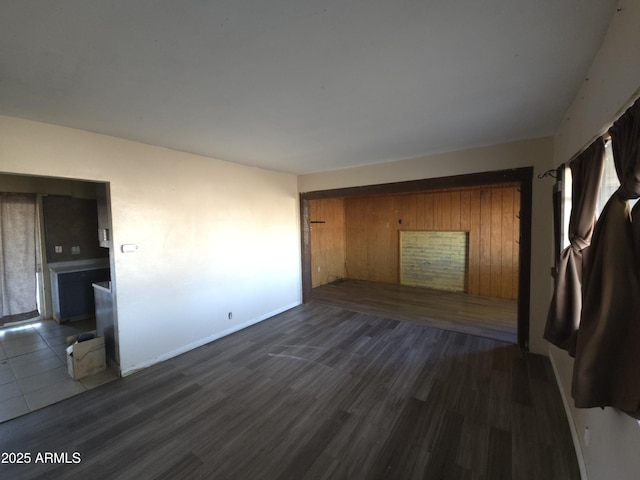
553 173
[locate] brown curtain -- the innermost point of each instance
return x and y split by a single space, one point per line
607 367
566 304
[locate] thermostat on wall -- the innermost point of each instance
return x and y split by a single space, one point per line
129 248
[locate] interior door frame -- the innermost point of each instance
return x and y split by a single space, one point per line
521 176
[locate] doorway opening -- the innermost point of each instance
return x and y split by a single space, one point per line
373 217
71 229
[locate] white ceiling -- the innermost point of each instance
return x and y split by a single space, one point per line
296 85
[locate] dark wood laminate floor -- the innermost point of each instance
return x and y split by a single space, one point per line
317 392
495 318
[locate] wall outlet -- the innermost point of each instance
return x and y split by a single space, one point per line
58 248
318 268
230 315
75 250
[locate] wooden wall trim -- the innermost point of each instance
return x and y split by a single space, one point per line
515 175
522 176
305 222
524 274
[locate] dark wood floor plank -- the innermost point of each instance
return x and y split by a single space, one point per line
187 467
499 455
316 392
300 463
442 464
397 456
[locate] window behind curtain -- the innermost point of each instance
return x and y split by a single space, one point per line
563 187
610 184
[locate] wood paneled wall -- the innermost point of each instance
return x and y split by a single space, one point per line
360 238
327 240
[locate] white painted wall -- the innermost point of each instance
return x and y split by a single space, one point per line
214 237
537 153
612 451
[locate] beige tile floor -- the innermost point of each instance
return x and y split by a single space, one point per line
33 366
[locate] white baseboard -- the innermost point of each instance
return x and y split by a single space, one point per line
203 341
